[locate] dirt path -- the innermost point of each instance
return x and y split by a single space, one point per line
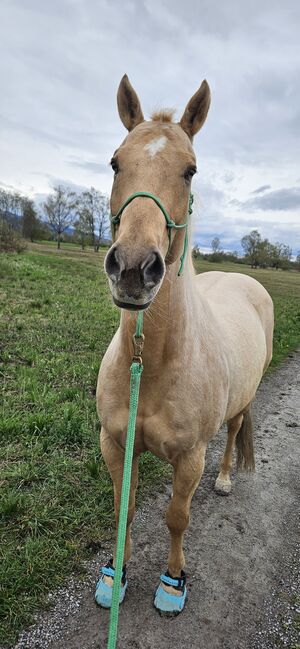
240 553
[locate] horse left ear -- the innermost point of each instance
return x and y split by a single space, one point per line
129 106
196 111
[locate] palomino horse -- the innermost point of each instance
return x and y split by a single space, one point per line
208 338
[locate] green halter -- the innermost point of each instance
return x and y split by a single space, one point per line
115 220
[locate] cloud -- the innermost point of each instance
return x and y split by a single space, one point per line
228 177
281 200
7 186
69 184
96 167
215 214
40 197
230 230
58 102
261 189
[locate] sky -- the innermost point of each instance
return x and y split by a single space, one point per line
61 63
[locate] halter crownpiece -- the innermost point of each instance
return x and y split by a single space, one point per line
115 220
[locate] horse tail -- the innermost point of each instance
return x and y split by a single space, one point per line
244 444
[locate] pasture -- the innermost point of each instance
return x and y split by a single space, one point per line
57 319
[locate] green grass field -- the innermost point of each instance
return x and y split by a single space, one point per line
57 319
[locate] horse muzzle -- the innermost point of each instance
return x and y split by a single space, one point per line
134 282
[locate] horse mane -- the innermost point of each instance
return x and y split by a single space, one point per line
163 115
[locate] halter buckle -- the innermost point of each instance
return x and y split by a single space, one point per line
138 344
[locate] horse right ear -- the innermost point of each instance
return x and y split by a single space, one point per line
129 106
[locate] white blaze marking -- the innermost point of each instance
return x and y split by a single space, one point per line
156 145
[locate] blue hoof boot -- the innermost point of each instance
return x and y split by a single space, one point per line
103 594
166 603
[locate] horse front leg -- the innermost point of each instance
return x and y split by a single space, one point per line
188 468
113 457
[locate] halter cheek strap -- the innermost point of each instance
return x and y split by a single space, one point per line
115 220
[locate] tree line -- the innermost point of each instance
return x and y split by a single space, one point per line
65 215
83 217
258 253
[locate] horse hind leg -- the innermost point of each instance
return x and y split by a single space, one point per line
240 432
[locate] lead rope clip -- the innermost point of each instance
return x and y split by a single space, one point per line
138 345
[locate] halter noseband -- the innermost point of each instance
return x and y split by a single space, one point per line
115 220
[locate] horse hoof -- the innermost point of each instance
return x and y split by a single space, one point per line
222 488
104 588
167 603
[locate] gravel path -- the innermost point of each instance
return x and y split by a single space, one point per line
242 554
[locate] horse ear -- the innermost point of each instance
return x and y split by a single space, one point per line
129 106
196 111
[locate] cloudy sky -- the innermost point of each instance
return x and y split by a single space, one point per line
61 63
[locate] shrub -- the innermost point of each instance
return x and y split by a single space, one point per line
10 239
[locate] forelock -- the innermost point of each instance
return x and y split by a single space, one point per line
164 115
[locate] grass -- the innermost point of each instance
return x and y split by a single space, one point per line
57 319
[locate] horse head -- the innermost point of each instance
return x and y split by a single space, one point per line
153 170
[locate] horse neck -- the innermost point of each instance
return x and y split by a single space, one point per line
169 319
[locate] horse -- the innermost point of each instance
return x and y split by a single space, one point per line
208 337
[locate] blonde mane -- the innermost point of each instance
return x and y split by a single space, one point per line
163 115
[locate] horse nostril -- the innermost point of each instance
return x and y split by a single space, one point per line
152 269
113 264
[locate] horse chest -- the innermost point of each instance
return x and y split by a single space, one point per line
171 418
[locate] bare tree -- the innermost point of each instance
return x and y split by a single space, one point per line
11 220
30 223
11 205
216 245
82 228
60 210
86 210
103 218
4 204
93 209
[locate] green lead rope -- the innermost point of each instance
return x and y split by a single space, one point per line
135 379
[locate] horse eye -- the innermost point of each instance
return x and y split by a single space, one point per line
189 173
114 165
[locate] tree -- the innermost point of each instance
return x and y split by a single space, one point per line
216 245
274 255
196 251
60 210
30 223
251 246
86 210
103 218
217 253
260 252
285 256
262 256
4 203
82 228
11 206
93 209
298 261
